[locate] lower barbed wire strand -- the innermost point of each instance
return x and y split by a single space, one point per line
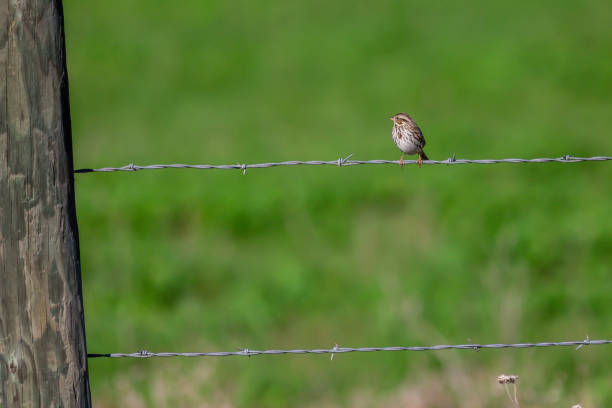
337 350
342 162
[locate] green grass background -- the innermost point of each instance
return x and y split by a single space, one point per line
292 257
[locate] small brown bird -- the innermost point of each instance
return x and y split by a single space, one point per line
408 137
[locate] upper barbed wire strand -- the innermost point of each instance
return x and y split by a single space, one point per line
340 163
336 350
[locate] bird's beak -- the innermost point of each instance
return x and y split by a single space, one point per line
391 118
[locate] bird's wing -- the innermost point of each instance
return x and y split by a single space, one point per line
419 135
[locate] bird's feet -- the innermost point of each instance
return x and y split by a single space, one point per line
420 161
401 163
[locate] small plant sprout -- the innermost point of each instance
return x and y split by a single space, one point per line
510 381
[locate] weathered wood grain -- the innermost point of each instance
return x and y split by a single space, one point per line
43 358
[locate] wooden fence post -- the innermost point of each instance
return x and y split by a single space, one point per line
43 357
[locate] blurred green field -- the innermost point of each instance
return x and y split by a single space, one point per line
292 257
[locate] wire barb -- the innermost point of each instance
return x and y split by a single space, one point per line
336 349
586 342
340 163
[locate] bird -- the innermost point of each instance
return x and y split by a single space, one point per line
408 137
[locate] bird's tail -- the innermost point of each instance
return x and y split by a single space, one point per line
423 156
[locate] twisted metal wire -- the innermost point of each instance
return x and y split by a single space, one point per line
340 162
334 350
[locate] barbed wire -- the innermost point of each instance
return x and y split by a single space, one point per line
340 162
336 350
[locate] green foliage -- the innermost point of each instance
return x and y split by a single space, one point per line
182 260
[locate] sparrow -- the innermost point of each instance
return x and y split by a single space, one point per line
408 137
